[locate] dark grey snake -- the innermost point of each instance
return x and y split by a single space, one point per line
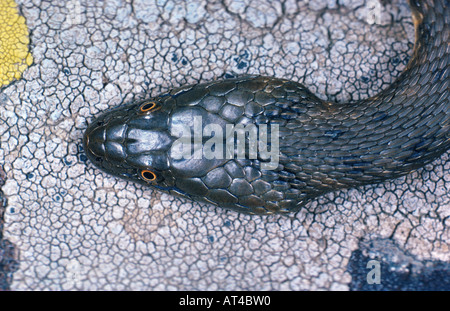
322 146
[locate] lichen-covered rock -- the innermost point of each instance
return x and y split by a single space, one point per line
81 229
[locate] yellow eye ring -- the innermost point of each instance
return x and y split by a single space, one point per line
148 175
149 106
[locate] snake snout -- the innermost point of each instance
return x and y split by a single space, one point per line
103 140
94 142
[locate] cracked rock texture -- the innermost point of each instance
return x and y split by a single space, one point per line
77 228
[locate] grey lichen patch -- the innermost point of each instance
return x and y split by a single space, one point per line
170 11
77 228
147 218
257 13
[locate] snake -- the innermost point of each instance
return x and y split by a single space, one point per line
319 146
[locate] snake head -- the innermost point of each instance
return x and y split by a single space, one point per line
131 142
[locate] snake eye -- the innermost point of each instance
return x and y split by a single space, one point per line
148 175
149 106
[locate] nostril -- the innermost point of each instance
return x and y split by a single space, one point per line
97 148
97 135
94 141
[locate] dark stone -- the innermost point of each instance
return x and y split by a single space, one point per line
405 273
8 251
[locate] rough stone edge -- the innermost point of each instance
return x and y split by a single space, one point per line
8 251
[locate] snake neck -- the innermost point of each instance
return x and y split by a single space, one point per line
401 129
423 88
421 93
431 20
429 65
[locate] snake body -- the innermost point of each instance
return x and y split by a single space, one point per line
323 146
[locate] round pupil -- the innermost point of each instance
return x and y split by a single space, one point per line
148 175
148 106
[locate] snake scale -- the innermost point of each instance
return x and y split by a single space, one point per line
322 146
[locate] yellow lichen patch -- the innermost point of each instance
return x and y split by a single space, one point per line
14 54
